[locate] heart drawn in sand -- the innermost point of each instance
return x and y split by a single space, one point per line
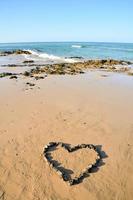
72 164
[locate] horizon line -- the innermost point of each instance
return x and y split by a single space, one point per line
65 42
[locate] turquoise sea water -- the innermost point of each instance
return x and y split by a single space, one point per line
87 50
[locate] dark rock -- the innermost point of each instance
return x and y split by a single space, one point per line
12 65
30 84
73 182
74 57
17 52
52 144
39 77
65 177
28 61
26 73
83 145
13 77
4 74
21 52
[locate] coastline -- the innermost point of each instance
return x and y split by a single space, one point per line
43 64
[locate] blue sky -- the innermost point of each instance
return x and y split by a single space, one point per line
66 20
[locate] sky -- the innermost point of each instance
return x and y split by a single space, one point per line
66 20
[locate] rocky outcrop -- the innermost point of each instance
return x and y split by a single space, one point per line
16 52
4 74
72 68
80 67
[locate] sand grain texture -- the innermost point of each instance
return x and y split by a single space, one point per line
77 109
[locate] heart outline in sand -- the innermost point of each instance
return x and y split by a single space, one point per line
70 149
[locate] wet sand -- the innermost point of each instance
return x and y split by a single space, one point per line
92 108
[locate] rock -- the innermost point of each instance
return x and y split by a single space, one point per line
89 146
65 177
13 77
21 52
45 151
17 52
12 65
89 167
75 148
78 67
73 182
28 61
52 165
62 145
4 74
83 145
46 147
5 53
68 149
74 57
55 169
30 84
59 173
46 154
39 77
52 144
26 73
94 165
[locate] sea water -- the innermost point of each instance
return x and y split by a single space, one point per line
70 51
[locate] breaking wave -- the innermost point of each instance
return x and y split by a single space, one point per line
38 55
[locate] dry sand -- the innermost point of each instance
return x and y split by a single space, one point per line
89 108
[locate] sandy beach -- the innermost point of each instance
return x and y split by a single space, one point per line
91 108
66 100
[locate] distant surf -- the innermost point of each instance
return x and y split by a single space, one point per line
76 46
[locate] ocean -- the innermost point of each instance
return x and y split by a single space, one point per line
47 52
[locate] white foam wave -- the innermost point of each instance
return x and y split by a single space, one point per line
47 57
76 46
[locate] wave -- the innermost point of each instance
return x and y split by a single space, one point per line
76 46
80 46
45 57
